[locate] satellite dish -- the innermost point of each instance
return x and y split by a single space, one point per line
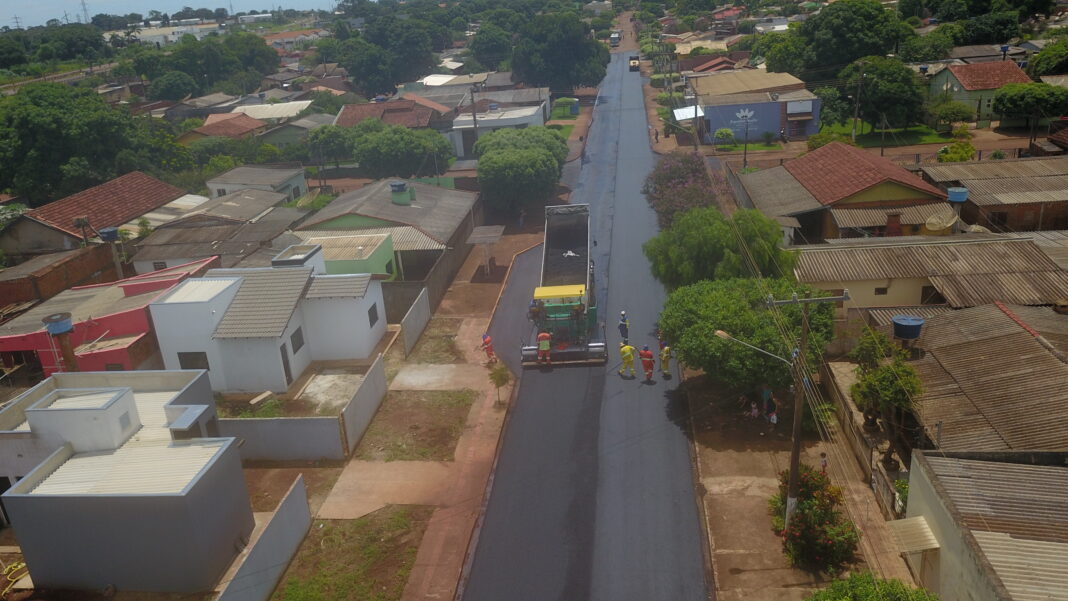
978 229
936 223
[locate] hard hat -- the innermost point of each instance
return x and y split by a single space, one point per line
485 336
623 313
645 348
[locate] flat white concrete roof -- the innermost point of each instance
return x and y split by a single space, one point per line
198 290
82 399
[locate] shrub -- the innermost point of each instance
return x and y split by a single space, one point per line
669 98
956 152
822 139
769 138
724 135
997 155
819 537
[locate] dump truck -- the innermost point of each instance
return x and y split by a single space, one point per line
564 305
634 64
614 38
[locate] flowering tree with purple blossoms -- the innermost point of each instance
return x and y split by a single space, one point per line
679 183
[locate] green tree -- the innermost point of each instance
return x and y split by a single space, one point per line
532 137
703 244
834 109
890 91
850 29
957 152
500 377
369 66
693 313
931 47
911 8
1031 100
864 586
824 138
491 45
174 85
784 52
1050 60
953 112
553 50
11 53
888 390
512 177
396 151
330 143
993 28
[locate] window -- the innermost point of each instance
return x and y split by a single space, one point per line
193 360
372 315
999 218
220 192
157 265
124 421
389 267
297 340
114 367
880 291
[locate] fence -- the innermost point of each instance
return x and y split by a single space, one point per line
359 411
270 555
286 438
415 321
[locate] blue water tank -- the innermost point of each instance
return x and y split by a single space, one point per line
58 323
907 327
957 194
109 234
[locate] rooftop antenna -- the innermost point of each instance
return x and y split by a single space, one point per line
85 11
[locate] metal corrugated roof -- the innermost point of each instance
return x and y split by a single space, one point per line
264 303
255 175
912 215
1025 274
405 237
776 192
279 110
1015 512
1017 190
883 316
913 535
163 467
1030 167
338 286
351 247
990 383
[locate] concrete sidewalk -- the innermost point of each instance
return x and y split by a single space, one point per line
738 460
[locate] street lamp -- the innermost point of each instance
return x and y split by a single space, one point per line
745 148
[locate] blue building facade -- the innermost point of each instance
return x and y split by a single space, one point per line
795 114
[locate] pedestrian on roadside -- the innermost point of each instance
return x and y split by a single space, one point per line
624 326
823 463
626 353
656 135
665 359
754 412
487 345
647 362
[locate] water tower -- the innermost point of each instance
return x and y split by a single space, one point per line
957 197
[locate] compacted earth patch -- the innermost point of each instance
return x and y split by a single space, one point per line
417 425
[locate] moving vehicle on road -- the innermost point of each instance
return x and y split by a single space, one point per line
614 38
564 305
634 64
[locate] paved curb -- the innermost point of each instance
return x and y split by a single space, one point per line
708 545
472 542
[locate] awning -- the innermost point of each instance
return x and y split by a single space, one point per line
687 112
913 535
486 234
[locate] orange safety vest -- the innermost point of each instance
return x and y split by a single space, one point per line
544 341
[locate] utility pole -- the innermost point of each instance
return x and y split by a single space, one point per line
18 25
85 11
856 104
474 119
882 141
800 383
745 146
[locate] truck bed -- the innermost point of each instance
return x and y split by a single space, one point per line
566 257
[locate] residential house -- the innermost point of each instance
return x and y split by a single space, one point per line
284 79
175 209
123 483
985 525
598 6
976 84
1055 80
488 117
961 271
259 329
111 331
1009 408
988 53
332 70
284 180
260 18
111 204
1011 194
295 132
746 81
719 63
352 252
458 98
1034 46
337 86
201 107
794 114
45 276
444 217
289 40
407 113
235 226
497 81
841 191
235 126
274 113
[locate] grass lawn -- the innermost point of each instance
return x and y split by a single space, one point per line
752 146
562 112
868 137
441 182
565 130
368 559
417 425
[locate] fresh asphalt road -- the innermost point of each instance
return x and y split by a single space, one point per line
593 496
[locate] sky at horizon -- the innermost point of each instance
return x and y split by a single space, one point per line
37 13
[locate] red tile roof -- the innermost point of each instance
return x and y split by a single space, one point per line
988 76
837 171
216 117
239 126
110 204
1060 138
396 112
430 104
720 63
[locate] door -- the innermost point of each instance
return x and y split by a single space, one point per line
285 364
